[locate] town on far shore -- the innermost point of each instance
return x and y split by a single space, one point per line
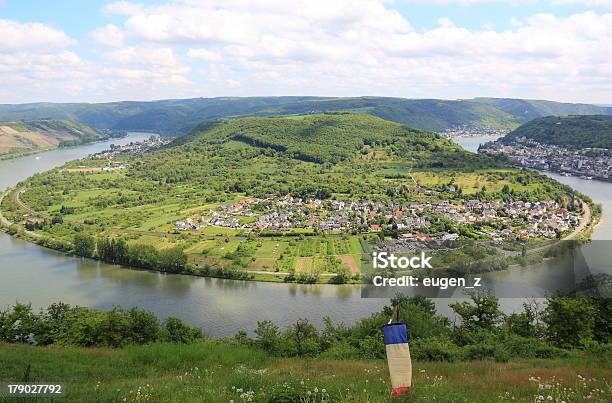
473 131
586 163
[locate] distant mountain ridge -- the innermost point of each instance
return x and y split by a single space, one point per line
572 132
177 117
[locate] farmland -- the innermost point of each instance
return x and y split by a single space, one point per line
287 199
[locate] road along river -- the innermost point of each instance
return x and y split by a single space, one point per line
29 273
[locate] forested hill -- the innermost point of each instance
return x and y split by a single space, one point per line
18 137
341 153
326 138
573 132
177 117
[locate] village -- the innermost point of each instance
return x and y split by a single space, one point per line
152 143
587 163
473 131
496 220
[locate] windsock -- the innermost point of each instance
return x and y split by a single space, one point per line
398 358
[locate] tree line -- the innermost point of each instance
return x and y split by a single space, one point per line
63 324
118 251
565 326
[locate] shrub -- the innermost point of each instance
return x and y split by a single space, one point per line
268 336
176 331
341 350
570 321
66 325
144 326
479 351
19 324
501 355
301 339
435 349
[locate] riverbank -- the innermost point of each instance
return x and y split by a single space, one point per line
27 153
20 154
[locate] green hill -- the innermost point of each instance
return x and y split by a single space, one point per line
27 136
573 132
176 117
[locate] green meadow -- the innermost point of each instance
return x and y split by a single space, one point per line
212 371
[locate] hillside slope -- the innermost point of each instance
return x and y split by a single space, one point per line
19 137
213 372
572 132
176 117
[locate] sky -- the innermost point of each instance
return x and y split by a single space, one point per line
99 51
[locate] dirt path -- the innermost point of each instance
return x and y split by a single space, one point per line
8 223
586 220
22 205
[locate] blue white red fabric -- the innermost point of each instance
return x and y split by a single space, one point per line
398 358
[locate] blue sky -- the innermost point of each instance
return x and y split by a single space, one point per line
102 50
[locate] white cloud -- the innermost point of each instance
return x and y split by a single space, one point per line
360 47
233 83
30 35
366 47
601 3
204 54
122 8
109 35
144 56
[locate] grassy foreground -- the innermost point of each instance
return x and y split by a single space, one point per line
215 371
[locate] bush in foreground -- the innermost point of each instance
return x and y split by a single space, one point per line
67 325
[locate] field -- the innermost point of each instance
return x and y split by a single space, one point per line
214 371
472 182
205 175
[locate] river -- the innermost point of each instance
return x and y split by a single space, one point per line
29 273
